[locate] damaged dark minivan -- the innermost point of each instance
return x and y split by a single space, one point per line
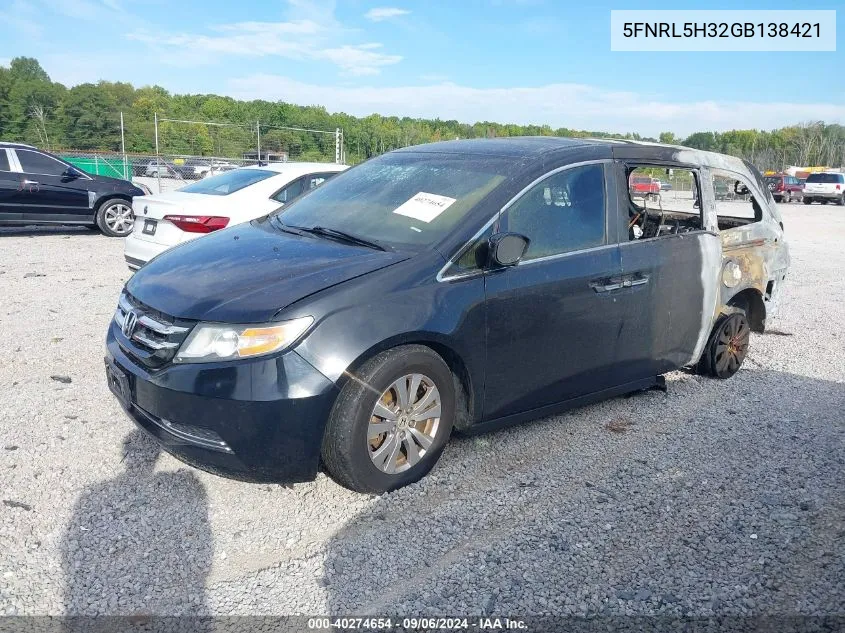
457 286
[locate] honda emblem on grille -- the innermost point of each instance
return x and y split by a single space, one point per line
129 323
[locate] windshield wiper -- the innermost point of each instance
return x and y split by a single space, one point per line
275 221
342 236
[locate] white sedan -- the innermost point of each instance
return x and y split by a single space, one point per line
165 220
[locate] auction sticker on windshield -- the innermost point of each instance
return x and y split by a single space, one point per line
425 206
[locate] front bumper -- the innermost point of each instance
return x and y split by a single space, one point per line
260 420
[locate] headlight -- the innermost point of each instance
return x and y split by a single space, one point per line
209 342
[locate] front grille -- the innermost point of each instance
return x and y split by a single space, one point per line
147 334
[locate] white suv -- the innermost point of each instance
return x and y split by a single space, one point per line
825 187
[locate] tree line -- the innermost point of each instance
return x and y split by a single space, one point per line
34 109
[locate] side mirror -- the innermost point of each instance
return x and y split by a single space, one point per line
506 249
72 173
740 189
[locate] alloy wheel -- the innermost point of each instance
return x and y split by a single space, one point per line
404 423
732 345
119 218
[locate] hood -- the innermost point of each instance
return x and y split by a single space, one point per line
115 184
247 273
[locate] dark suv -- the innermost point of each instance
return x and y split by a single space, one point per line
37 187
462 285
785 188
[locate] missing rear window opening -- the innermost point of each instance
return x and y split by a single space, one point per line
735 204
662 201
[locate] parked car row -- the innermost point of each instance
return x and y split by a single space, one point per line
37 187
186 169
822 187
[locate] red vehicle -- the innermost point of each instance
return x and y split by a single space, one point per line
785 188
643 186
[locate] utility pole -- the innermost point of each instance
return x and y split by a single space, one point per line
337 145
123 148
158 161
258 140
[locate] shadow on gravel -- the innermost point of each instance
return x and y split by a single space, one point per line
730 505
139 544
32 231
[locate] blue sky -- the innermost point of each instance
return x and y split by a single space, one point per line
522 61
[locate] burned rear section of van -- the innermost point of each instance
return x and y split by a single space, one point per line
755 255
731 278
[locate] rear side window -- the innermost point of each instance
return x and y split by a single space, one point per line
827 179
290 192
229 182
37 163
735 204
563 213
4 161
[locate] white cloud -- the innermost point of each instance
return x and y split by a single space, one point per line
315 35
576 106
384 13
363 59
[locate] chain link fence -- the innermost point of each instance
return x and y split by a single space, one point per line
178 151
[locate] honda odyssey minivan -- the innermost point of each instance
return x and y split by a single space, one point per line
457 286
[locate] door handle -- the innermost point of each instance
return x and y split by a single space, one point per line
606 285
637 279
619 283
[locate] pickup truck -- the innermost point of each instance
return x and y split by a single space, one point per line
644 187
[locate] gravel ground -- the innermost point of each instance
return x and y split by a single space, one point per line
717 497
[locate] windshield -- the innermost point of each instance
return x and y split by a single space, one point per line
228 182
403 199
825 178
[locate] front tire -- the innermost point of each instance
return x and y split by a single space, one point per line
807 200
115 217
391 420
786 198
727 347
841 200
